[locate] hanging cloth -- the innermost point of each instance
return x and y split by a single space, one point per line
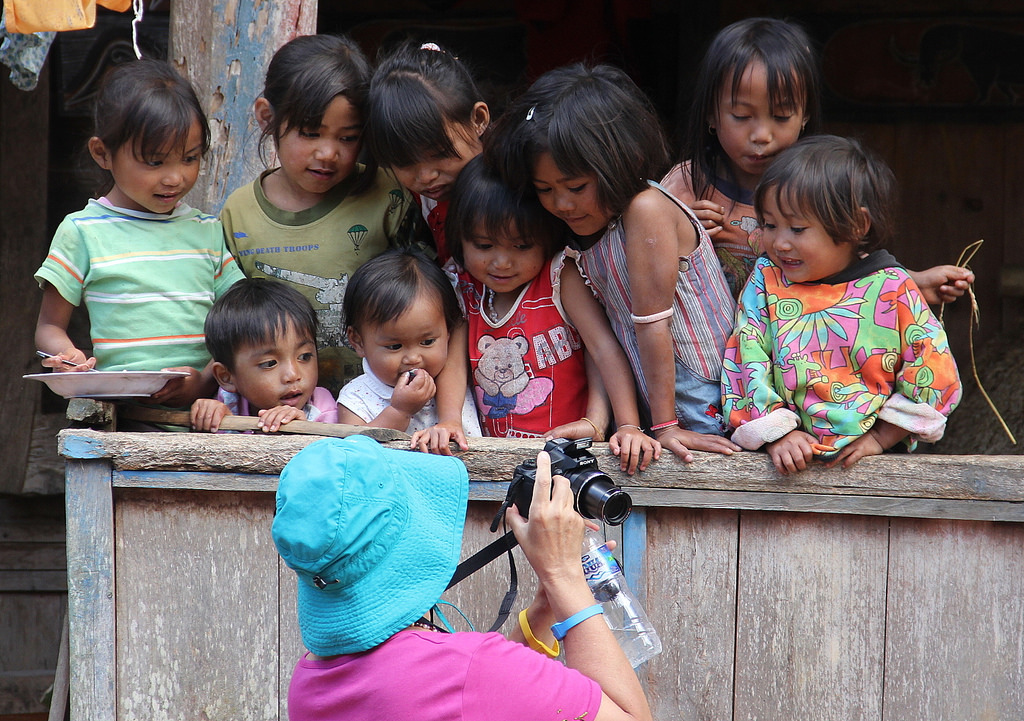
36 16
24 54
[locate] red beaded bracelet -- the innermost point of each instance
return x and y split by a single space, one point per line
662 426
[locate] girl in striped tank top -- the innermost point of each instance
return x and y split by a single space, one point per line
586 140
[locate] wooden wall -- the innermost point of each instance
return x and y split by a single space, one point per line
24 121
890 591
958 182
33 592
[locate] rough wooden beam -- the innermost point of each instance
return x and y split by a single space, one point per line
983 478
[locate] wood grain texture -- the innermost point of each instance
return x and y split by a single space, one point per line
956 621
810 617
764 614
985 478
291 647
691 600
197 590
91 615
33 641
183 419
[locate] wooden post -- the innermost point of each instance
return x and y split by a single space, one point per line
90 514
223 47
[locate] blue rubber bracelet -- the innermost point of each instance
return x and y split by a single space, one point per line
562 627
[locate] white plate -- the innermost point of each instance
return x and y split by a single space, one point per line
106 384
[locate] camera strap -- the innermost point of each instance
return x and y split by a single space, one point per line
488 553
481 558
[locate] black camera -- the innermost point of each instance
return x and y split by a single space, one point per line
594 494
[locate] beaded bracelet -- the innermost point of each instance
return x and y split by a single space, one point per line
562 627
532 641
663 426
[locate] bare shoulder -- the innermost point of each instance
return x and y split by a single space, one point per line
649 205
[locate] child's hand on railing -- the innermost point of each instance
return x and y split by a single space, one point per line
634 448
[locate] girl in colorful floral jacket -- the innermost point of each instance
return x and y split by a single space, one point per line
835 352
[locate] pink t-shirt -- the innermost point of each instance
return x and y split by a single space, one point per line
440 676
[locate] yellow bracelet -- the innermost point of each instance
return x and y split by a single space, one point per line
532 641
597 431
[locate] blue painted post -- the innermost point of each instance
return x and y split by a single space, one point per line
634 553
91 603
224 46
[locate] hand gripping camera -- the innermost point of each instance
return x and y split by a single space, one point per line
594 494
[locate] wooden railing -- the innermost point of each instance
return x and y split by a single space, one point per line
894 589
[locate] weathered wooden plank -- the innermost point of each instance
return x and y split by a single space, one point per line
691 600
61 688
32 556
44 472
831 503
897 475
215 598
195 481
632 553
810 617
210 481
956 621
20 692
33 581
32 519
90 520
644 497
251 424
29 630
290 647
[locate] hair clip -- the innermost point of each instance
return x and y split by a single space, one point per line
431 46
529 113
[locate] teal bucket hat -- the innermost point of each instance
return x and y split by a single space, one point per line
374 535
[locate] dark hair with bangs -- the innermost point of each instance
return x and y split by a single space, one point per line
416 93
592 120
148 106
384 287
305 75
832 178
794 79
480 199
251 313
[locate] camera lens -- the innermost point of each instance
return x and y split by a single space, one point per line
617 506
598 498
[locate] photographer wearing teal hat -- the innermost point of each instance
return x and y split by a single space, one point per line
374 535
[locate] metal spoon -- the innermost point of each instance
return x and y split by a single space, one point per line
65 361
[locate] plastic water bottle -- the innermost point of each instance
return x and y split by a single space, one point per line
622 612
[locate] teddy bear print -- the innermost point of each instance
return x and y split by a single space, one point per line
503 385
